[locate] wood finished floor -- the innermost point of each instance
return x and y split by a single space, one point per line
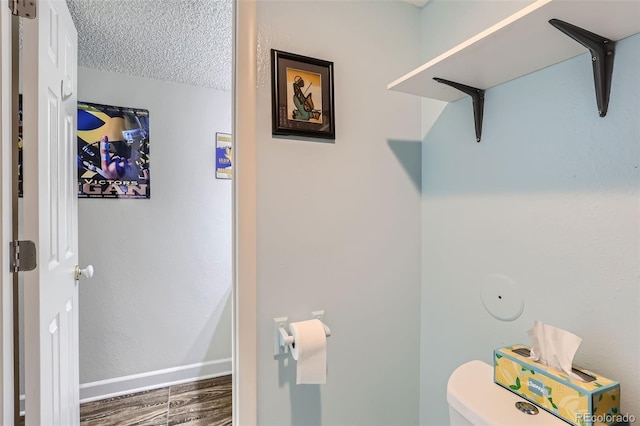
206 402
202 403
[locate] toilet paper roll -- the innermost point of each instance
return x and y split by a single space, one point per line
310 350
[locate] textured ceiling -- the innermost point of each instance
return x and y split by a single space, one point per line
183 41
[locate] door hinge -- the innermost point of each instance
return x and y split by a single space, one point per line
23 8
23 256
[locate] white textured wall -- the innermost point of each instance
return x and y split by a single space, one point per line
160 297
339 223
550 198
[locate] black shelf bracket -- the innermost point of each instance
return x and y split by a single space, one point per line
477 96
602 52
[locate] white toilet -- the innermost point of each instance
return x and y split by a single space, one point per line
474 399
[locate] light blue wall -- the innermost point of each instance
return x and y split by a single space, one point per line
447 23
339 222
550 198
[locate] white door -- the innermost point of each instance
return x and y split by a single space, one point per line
48 72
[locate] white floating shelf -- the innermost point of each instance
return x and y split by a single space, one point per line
520 44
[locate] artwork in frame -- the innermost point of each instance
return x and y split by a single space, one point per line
113 152
224 157
302 96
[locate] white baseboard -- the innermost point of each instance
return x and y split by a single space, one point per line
109 388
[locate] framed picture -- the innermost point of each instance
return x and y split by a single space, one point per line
20 142
302 96
224 165
113 152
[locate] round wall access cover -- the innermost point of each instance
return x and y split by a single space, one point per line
501 297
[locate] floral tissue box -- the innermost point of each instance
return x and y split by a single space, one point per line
591 402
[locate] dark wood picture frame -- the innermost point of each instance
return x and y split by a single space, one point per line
302 96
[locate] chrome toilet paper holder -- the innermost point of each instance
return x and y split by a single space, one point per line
282 340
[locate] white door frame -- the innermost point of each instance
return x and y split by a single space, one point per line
244 214
244 205
6 205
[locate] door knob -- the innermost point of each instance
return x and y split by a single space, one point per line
87 272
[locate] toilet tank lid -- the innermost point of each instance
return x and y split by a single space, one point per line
472 392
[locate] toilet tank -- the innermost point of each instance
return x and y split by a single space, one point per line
474 399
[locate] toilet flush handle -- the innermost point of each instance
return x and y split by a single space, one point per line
527 407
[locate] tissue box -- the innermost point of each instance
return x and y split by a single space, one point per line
596 401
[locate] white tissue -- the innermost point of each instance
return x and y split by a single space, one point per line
554 347
310 351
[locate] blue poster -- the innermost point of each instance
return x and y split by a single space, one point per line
113 152
224 167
